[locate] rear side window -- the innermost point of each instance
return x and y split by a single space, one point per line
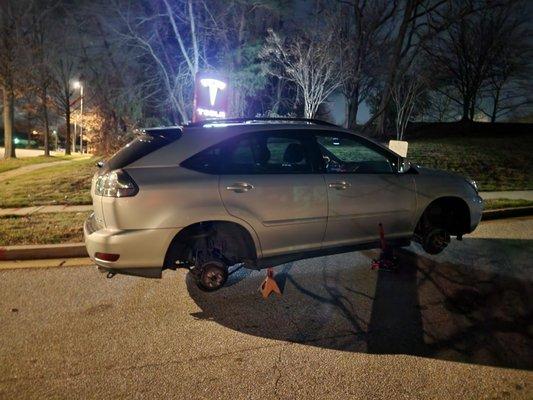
208 161
138 148
271 153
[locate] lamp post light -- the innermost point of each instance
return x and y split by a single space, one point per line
79 85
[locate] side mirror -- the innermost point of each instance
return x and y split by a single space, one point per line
404 165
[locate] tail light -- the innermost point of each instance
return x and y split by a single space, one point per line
107 256
115 183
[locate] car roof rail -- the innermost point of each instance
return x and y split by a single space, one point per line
163 131
259 119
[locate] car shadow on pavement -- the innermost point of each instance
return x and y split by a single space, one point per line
479 310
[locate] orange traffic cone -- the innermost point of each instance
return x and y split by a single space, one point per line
269 285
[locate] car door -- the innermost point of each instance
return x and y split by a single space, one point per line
364 189
272 181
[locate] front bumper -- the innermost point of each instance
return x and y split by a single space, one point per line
476 211
139 249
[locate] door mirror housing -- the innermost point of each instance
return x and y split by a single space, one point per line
404 165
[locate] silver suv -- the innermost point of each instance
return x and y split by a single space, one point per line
262 192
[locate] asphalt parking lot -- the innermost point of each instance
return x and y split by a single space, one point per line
458 325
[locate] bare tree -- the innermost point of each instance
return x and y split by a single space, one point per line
509 87
120 81
168 34
25 64
29 108
441 107
405 94
12 15
417 22
505 94
364 28
62 93
307 60
39 64
466 54
237 29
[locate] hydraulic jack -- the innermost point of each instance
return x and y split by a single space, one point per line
269 285
386 261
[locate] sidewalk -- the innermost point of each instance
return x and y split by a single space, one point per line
33 167
510 194
44 209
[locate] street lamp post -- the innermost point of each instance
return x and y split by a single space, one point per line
79 85
81 122
55 137
73 144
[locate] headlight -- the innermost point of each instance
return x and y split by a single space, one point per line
472 183
115 184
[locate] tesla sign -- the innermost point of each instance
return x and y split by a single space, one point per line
210 96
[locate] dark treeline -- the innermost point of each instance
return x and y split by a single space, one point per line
396 60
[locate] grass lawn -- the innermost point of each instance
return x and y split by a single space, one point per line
62 184
496 163
42 228
494 204
14 163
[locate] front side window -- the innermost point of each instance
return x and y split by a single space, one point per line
260 153
344 154
286 154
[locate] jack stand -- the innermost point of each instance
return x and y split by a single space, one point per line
269 285
386 261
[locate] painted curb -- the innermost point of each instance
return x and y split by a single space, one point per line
45 264
44 251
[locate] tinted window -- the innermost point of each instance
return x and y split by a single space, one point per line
207 161
286 154
138 148
343 154
273 153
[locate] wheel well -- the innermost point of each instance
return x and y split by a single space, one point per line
449 213
230 238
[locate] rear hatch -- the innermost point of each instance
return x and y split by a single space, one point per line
148 142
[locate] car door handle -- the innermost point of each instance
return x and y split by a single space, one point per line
240 187
339 185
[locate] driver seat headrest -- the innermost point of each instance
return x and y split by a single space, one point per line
294 153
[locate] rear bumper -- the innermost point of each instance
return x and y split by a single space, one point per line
139 249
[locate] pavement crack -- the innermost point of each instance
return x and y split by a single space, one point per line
141 366
277 370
